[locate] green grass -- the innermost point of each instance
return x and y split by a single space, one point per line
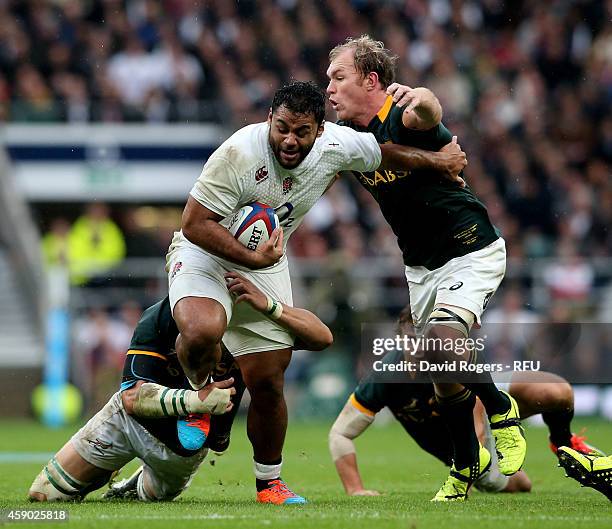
222 496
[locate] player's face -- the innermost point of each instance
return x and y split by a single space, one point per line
292 136
347 88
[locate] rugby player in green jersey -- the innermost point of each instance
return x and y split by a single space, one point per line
455 258
157 417
411 401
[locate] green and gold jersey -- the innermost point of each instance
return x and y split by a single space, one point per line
412 403
152 358
434 219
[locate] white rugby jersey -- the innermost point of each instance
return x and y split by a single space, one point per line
244 169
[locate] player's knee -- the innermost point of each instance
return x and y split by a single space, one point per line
525 484
559 396
198 338
269 385
566 395
519 482
149 488
452 323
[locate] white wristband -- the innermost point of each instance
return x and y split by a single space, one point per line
274 310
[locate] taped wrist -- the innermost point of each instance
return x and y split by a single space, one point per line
350 424
152 400
274 310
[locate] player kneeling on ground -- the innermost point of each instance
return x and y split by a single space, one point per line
413 404
156 417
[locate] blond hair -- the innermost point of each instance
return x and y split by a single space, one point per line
370 56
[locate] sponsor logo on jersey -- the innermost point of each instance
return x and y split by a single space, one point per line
380 178
283 213
456 286
261 174
287 185
176 269
99 446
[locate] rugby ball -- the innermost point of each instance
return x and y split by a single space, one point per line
253 224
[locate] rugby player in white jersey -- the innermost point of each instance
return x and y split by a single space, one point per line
287 162
155 408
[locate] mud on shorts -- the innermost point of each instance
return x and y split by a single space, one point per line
111 439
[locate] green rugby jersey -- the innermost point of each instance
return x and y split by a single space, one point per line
434 219
412 404
152 358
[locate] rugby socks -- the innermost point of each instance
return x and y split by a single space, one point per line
457 412
221 425
264 473
494 401
140 489
482 385
559 425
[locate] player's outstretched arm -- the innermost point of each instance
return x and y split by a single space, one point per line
423 110
448 161
150 400
311 332
351 423
201 226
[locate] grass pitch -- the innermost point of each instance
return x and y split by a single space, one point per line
222 495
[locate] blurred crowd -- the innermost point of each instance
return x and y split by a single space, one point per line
527 87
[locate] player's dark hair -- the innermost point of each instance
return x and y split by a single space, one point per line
301 97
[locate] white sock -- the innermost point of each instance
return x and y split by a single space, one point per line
267 472
142 493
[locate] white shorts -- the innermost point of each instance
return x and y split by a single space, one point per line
468 282
194 272
111 439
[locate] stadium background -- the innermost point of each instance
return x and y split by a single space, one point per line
110 108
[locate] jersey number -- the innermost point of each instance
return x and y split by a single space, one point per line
283 212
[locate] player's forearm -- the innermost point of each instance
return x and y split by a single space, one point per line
200 225
348 471
310 330
211 236
351 423
403 158
428 113
153 401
